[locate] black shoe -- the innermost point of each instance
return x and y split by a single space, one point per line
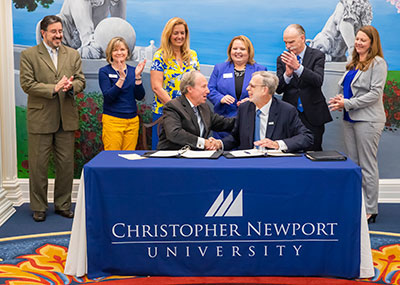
39 216
65 213
372 219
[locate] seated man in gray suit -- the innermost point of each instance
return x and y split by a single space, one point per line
188 120
265 121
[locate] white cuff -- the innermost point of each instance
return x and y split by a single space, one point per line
299 70
282 145
200 143
287 78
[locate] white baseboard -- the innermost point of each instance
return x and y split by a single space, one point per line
389 191
24 186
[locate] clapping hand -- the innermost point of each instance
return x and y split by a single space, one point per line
139 68
64 84
291 62
336 103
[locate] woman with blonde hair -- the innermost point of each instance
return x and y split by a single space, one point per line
364 115
121 85
170 62
229 80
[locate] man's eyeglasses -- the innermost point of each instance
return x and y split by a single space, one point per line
255 85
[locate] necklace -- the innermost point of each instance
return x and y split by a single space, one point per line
119 75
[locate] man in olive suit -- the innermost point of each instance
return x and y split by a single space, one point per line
51 75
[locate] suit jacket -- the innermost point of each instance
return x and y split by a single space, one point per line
38 77
179 125
283 124
307 87
220 84
367 87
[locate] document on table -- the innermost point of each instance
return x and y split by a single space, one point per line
187 153
131 156
257 153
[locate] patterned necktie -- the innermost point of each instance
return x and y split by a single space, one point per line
257 126
199 121
54 57
299 104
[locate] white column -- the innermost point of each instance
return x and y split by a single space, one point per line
10 184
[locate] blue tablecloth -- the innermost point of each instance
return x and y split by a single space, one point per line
226 217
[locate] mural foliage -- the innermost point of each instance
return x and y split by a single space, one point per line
323 21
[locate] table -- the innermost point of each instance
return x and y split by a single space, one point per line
227 217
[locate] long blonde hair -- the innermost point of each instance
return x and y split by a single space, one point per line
374 50
166 46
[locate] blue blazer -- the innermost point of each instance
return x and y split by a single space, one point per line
222 82
283 124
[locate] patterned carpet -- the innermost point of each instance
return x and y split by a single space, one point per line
40 258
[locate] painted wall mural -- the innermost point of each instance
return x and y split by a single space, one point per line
330 26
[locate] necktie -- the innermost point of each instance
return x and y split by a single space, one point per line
199 121
257 126
299 104
54 57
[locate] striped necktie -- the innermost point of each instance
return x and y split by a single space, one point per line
199 120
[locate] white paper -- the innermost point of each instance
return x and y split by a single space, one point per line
198 154
165 153
247 153
276 152
131 156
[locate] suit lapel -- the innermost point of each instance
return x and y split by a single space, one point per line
188 109
307 57
271 119
62 56
204 114
247 77
45 56
231 80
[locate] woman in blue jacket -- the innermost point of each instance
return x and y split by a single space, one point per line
229 80
121 85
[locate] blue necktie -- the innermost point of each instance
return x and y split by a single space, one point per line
257 126
299 104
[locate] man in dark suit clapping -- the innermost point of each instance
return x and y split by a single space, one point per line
300 70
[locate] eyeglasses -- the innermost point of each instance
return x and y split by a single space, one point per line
255 85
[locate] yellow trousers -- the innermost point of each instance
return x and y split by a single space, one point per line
120 134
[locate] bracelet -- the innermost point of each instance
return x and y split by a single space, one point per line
139 78
123 79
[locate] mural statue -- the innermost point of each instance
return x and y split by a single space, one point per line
80 19
337 36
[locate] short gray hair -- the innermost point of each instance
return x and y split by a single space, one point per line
299 28
188 79
268 79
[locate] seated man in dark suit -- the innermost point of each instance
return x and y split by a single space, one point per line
265 121
188 120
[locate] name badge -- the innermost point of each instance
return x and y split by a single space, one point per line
227 75
271 123
113 76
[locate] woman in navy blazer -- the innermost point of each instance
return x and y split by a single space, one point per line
229 79
364 116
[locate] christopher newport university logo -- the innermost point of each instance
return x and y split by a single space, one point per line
227 207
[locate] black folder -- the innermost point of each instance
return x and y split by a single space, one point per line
328 155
